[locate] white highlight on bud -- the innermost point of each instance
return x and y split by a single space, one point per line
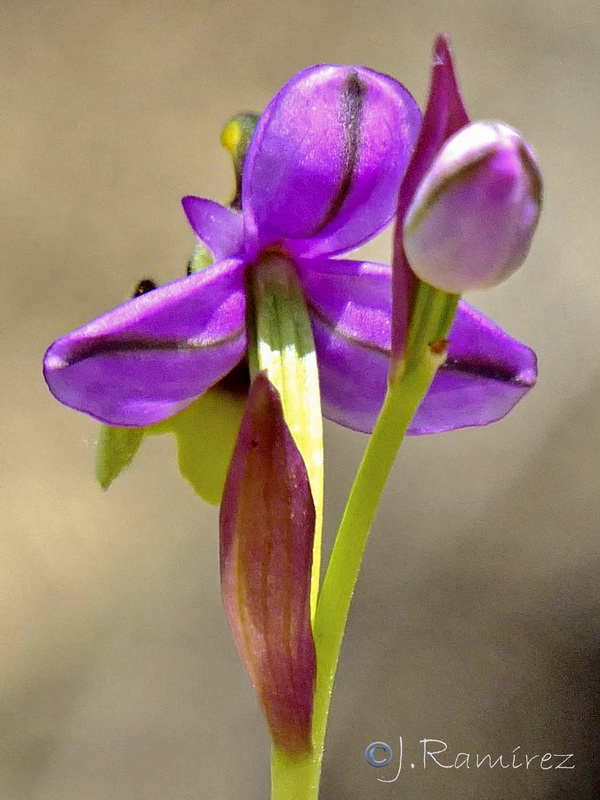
473 216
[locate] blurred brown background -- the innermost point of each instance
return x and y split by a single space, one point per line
476 617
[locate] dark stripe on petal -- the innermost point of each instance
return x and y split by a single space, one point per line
372 346
533 173
479 368
475 367
353 95
126 346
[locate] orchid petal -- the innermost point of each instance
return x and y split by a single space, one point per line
486 373
326 160
219 228
151 357
267 526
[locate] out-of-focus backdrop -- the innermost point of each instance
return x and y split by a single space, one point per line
476 617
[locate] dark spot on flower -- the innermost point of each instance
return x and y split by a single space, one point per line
439 346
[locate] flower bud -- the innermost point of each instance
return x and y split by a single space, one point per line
472 218
235 138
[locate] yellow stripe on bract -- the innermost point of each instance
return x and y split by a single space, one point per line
285 350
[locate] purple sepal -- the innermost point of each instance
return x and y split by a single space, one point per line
219 228
152 356
486 373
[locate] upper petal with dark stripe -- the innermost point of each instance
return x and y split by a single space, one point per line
487 371
326 160
151 357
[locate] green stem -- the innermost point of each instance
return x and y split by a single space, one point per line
295 778
298 779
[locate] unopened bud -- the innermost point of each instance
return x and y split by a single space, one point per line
473 216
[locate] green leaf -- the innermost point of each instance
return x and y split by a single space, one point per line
205 433
201 257
115 451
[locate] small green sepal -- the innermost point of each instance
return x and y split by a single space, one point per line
205 434
115 451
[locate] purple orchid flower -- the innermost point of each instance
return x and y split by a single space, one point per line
321 177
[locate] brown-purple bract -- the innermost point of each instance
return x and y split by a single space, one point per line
267 526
